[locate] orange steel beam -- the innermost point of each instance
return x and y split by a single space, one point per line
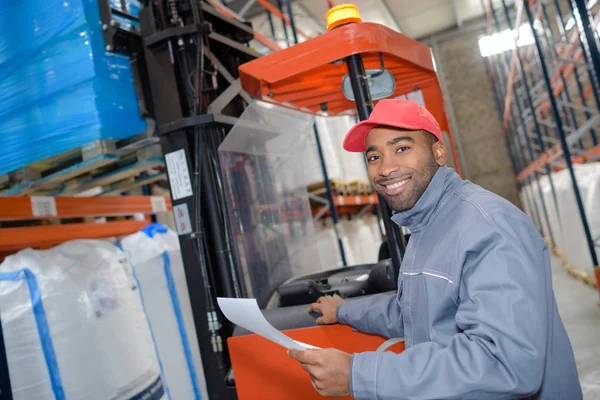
274 10
14 239
20 208
260 38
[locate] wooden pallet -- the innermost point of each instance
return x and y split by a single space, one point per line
49 174
133 183
360 188
577 273
102 163
123 175
340 188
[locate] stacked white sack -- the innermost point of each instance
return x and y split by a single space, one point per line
155 257
74 326
565 225
353 164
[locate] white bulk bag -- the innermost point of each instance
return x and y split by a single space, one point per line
327 136
155 257
352 164
74 327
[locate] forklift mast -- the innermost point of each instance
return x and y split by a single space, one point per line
191 55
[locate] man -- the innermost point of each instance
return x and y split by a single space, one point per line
475 303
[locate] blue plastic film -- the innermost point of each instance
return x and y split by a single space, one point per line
59 88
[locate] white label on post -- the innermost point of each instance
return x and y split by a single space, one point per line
179 175
42 206
158 204
341 200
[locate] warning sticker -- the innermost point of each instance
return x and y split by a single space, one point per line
182 219
179 175
42 206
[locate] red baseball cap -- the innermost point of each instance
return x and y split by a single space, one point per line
403 114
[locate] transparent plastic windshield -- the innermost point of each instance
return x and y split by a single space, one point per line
263 161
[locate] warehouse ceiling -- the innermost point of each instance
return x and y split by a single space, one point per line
415 18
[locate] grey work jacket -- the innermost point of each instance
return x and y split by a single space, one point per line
474 304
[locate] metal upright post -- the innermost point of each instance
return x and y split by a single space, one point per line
495 90
271 25
329 191
292 22
364 107
563 30
560 130
283 24
552 49
582 17
586 57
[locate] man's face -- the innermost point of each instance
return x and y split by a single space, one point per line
402 163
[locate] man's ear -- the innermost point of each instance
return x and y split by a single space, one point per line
439 153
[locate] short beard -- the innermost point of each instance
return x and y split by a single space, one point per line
406 201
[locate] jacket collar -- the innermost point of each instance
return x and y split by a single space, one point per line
442 185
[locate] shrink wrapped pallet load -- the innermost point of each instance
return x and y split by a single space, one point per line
59 87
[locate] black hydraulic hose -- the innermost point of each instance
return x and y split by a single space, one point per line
214 222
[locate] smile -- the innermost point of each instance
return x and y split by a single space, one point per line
394 188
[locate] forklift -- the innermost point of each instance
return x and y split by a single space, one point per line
218 105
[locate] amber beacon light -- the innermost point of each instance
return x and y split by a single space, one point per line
342 15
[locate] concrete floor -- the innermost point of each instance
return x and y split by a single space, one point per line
578 306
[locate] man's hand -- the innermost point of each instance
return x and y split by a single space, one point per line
327 306
329 370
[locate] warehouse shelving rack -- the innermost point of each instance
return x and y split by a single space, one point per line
26 214
547 92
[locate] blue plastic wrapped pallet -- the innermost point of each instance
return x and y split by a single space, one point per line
59 87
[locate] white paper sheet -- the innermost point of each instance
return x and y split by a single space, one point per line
245 313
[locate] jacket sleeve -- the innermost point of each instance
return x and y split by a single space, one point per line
499 349
379 314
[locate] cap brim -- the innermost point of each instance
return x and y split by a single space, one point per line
355 138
